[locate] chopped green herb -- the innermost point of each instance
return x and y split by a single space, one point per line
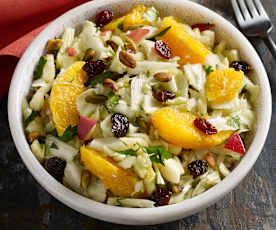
160 34
69 133
234 122
54 146
129 152
39 68
208 69
121 25
151 14
113 100
98 29
158 154
54 133
31 117
100 78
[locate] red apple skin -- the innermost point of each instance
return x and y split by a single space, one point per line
138 34
235 144
72 52
84 126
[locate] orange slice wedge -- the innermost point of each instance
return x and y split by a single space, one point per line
67 87
177 127
120 181
223 86
182 44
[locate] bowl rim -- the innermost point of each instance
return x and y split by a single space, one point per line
135 216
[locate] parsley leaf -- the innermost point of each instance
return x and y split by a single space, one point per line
208 70
151 14
69 133
121 25
39 68
100 78
234 122
98 29
158 154
54 146
160 34
113 100
54 133
129 152
31 117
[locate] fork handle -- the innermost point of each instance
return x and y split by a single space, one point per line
270 45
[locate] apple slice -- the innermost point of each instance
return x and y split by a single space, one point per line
235 144
138 34
84 126
72 52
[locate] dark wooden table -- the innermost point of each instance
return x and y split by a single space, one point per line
24 204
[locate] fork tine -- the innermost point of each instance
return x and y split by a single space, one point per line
252 8
244 9
260 8
237 12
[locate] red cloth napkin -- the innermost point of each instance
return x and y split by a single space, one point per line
20 22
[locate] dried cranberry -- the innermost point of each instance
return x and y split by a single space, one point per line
103 18
205 126
163 95
197 168
161 196
93 68
241 65
55 167
120 125
203 26
162 49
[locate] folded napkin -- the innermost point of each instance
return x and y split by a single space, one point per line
20 22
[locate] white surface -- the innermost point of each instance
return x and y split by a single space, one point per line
192 13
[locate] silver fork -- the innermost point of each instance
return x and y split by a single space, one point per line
254 21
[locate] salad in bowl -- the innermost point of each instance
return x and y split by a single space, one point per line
139 111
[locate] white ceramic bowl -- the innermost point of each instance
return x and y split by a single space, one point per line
191 13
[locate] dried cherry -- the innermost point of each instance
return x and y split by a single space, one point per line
163 95
161 196
204 126
197 168
120 125
203 26
93 68
241 65
103 18
162 49
55 167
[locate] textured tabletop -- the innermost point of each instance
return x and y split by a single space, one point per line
24 204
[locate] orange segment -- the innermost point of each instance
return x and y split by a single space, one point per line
66 88
120 181
177 127
113 24
223 85
134 17
182 44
